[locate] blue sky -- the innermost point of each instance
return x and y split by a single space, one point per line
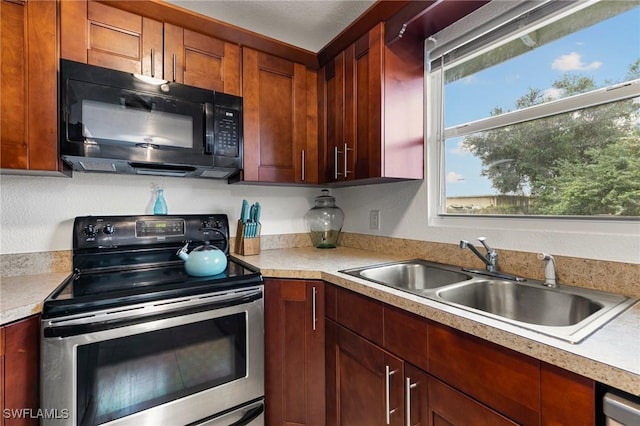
603 51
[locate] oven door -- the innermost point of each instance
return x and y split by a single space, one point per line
172 362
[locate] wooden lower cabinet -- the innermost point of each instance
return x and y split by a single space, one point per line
459 379
447 406
364 382
20 368
294 352
416 384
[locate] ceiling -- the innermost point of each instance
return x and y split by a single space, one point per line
308 24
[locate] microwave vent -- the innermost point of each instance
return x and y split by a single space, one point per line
98 166
216 174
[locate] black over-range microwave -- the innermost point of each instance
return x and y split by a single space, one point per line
112 121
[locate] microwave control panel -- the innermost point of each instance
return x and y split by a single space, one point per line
227 132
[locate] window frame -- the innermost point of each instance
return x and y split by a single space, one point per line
525 16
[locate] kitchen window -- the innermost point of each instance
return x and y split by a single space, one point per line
534 110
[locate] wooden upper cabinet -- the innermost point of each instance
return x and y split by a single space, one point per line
102 35
28 117
199 60
280 119
372 108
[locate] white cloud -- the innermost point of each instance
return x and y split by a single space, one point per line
459 149
453 177
573 62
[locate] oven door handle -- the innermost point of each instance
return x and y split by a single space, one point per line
249 416
254 410
62 331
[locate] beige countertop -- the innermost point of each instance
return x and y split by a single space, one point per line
611 355
22 296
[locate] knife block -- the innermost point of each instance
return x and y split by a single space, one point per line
244 245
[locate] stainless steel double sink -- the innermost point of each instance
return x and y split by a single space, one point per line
564 312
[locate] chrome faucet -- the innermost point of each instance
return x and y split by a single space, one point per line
490 258
549 270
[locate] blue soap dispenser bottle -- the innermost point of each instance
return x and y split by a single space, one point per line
160 206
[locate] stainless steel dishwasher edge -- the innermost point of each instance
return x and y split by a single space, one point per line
621 410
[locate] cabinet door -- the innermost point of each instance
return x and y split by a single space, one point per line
503 379
416 396
105 36
294 343
364 61
13 86
364 382
567 398
28 123
199 60
21 368
275 117
353 109
448 407
333 100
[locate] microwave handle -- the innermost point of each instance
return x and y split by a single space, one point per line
209 144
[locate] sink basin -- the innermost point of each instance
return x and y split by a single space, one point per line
565 312
414 276
521 302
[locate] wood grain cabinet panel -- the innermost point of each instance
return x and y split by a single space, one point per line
279 108
567 398
21 369
505 380
364 382
294 347
372 112
449 407
360 314
29 65
106 36
406 335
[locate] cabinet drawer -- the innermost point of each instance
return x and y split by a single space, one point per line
405 335
360 314
450 407
503 379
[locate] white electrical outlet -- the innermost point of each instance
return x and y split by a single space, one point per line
374 219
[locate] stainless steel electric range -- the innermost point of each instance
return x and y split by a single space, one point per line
130 339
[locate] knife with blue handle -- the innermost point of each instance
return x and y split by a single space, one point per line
244 213
252 225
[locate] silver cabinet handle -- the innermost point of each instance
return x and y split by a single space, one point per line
153 62
313 307
174 66
303 169
335 162
388 410
346 149
408 386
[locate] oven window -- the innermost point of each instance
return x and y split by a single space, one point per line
122 376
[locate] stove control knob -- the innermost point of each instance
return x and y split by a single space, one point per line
109 229
90 230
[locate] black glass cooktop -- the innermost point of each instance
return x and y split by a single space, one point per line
83 292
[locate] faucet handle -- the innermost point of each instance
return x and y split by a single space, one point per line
483 242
